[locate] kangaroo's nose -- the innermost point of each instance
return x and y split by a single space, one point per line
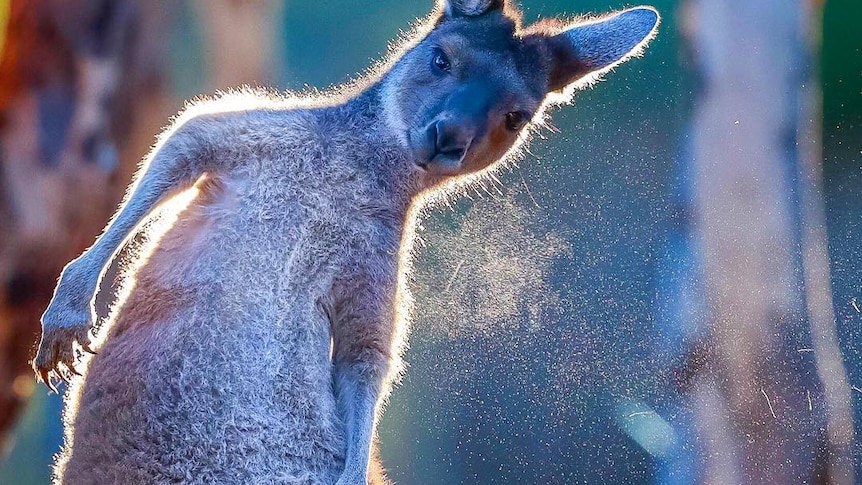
451 139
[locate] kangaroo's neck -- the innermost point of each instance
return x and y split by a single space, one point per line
377 150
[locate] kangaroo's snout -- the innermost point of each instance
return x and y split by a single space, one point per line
462 122
451 139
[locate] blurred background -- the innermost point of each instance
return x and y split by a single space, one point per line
668 290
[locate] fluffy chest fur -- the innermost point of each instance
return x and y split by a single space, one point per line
264 254
305 205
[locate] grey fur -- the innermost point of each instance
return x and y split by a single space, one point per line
216 365
470 8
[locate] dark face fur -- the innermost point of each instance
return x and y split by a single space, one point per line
462 96
468 90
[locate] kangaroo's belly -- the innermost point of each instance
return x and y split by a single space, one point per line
175 402
207 382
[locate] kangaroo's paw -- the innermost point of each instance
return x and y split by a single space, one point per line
61 330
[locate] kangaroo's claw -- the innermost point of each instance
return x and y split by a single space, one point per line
72 370
56 355
85 346
45 375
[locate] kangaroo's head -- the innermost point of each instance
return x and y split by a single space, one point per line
462 97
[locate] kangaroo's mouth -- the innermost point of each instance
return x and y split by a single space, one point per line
443 163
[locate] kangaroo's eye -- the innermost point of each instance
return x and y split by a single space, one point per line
515 120
441 62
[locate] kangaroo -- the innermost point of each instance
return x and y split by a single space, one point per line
260 334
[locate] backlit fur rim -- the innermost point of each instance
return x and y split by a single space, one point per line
554 26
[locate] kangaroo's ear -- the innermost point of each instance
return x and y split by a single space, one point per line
598 45
470 8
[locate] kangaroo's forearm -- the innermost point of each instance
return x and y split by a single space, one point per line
363 339
171 168
359 388
88 269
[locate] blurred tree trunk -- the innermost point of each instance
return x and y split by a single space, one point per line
79 82
773 403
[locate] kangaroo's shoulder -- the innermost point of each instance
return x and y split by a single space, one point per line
245 117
